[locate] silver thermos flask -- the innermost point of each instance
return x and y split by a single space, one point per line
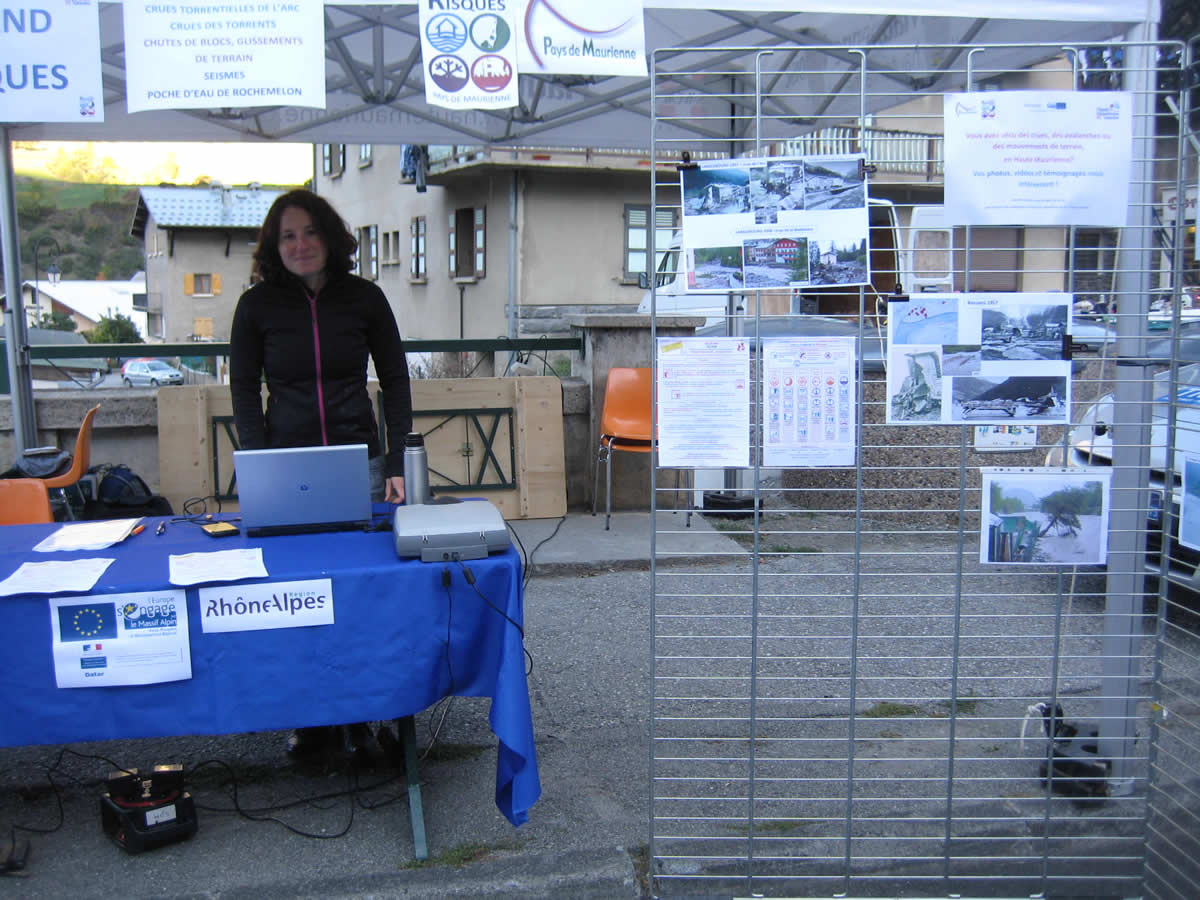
416 470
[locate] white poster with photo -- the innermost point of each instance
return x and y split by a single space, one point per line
1038 157
703 402
582 37
469 52
1035 516
809 401
979 359
117 639
51 63
183 56
777 222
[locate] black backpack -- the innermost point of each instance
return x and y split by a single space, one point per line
121 493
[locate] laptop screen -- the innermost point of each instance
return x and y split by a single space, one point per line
294 490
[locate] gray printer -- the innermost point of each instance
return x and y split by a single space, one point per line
446 532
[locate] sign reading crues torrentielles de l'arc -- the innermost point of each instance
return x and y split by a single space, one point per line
469 53
224 54
50 62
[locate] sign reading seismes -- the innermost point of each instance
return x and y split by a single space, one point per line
255 607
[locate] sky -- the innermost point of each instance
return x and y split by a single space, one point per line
143 163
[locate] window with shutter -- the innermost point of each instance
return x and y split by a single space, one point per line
480 238
468 251
416 269
637 239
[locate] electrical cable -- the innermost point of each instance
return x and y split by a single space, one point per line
353 792
470 577
529 556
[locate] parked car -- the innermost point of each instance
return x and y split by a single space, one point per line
152 372
1091 445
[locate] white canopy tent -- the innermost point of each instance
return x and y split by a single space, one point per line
375 92
374 86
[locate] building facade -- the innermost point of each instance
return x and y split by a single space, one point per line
199 250
503 242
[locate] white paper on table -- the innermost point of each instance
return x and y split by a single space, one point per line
60 575
232 565
88 535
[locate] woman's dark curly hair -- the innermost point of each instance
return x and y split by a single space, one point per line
339 242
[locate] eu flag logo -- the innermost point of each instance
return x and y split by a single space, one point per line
87 621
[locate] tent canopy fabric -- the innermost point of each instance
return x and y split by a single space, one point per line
701 58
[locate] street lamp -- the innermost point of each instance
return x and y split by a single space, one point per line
53 273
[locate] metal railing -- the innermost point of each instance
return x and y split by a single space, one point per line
221 348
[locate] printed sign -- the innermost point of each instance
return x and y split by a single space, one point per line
110 639
703 402
51 62
809 401
469 53
256 607
1038 157
996 438
180 56
583 37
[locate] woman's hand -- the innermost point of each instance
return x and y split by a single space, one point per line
394 489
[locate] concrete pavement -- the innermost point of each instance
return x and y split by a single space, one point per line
586 633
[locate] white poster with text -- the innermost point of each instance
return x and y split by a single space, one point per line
703 402
1038 157
232 55
809 401
120 639
469 51
51 63
581 37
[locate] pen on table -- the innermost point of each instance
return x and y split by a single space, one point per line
138 530
161 529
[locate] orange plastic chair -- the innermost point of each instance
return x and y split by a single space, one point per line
625 426
81 458
24 501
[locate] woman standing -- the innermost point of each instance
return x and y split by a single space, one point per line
309 326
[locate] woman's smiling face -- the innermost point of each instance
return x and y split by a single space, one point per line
301 247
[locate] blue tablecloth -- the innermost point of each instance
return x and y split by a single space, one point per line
385 657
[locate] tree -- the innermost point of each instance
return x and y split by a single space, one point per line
82 165
56 320
116 329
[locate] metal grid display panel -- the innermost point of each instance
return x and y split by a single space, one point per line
1173 820
842 697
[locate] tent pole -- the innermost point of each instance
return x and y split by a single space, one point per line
1131 434
20 380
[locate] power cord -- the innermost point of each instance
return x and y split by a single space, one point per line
470 577
353 792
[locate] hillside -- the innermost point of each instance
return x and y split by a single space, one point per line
90 223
